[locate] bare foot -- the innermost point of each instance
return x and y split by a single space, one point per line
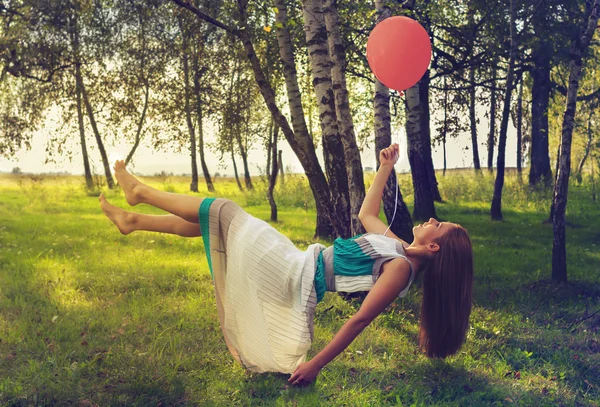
130 185
124 220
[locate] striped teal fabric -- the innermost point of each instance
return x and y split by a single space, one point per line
354 264
320 285
349 258
203 212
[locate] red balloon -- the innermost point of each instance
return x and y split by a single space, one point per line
399 51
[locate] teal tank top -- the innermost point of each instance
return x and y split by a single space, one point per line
354 264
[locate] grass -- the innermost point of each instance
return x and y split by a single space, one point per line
90 317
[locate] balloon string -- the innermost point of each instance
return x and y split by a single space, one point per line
395 205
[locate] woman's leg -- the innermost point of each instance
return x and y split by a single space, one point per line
128 222
184 206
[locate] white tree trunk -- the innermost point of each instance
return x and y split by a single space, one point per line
333 150
356 184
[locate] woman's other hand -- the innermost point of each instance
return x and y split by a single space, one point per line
304 374
389 155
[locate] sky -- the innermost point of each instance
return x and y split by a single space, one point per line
147 161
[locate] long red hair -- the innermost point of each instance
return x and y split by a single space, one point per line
447 295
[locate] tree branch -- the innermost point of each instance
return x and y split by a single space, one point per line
586 98
19 71
6 10
483 84
580 320
205 17
360 75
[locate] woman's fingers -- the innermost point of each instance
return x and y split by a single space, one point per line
390 151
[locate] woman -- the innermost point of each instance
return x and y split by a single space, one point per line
267 289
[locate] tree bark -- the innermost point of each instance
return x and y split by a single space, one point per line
593 181
280 164
561 188
89 182
424 207
333 150
273 177
199 119
402 224
109 179
244 154
356 183
473 120
588 144
235 171
187 107
557 163
473 89
270 130
496 209
426 134
445 126
539 170
520 126
492 136
140 126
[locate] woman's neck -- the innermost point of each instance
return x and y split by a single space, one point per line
418 256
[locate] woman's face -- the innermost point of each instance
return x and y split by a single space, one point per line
431 230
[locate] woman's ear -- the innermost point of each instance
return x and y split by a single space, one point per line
433 247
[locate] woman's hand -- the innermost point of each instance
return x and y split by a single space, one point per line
304 374
389 155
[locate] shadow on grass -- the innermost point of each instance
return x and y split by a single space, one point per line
431 382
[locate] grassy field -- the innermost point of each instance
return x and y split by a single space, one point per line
90 317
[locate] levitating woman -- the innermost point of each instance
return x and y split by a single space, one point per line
267 289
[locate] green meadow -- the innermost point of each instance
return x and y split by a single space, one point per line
90 317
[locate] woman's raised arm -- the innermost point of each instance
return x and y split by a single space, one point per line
387 159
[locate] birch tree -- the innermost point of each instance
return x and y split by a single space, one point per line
333 151
579 46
